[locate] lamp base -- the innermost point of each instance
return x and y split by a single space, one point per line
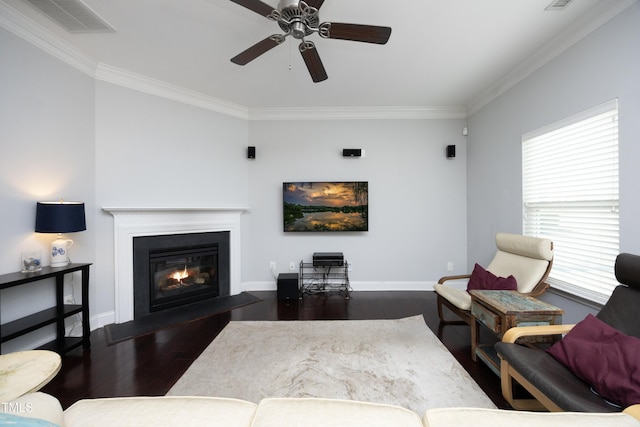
59 251
60 263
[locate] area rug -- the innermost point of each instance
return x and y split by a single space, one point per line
399 362
175 316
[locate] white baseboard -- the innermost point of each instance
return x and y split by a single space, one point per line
102 319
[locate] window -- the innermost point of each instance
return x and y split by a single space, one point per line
570 195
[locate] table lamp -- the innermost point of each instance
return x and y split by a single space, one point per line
60 217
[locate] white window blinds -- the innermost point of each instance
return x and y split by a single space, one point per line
570 195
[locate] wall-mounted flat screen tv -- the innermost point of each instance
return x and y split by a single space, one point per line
326 206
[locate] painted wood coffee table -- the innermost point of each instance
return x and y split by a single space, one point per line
500 311
24 372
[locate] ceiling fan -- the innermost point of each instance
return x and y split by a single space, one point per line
300 19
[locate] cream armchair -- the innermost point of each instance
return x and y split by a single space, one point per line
528 259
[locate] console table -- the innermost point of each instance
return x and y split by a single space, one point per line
56 314
500 311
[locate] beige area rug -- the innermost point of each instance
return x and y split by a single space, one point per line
399 362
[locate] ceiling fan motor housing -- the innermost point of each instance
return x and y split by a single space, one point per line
294 19
288 4
300 18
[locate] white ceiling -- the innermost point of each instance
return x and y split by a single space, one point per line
441 54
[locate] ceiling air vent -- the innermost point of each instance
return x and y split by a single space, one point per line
73 15
558 5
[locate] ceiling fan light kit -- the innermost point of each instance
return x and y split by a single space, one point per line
300 19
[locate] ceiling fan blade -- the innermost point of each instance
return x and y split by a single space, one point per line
356 32
257 49
312 59
314 3
256 5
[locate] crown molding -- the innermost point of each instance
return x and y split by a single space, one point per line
598 16
357 113
36 34
32 32
166 90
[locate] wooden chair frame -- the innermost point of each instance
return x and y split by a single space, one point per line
634 411
508 374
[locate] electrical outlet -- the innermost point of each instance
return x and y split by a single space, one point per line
292 265
349 266
450 266
272 265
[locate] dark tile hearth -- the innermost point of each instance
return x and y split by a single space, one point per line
175 316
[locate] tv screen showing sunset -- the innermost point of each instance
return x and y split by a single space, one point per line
326 206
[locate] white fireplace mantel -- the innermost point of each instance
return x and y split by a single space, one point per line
153 221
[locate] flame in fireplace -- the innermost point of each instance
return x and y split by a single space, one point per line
179 275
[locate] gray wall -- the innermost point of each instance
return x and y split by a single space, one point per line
152 152
155 152
417 198
602 66
47 153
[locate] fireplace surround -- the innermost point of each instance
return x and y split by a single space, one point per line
129 223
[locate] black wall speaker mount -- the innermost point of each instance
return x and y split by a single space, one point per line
352 152
451 151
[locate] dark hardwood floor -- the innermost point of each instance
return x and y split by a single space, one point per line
150 365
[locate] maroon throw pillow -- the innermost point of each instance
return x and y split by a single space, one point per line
604 358
486 280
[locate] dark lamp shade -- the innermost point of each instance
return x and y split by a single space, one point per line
60 217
